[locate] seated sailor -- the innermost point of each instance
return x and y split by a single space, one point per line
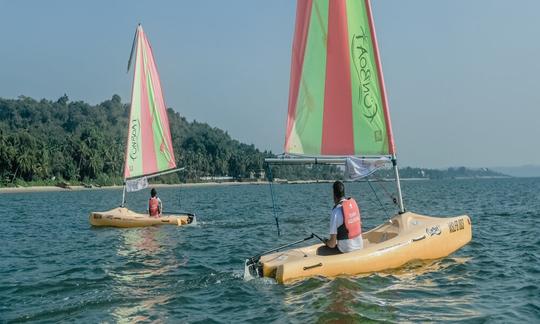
155 207
345 222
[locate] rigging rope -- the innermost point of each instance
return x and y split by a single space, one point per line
376 196
270 180
394 200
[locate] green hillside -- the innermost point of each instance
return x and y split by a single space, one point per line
45 142
49 141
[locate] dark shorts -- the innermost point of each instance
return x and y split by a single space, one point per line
325 250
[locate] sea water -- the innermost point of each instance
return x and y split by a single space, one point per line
54 266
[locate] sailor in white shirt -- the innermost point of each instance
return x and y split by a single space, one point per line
347 237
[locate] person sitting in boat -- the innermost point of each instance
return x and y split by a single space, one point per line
155 207
345 222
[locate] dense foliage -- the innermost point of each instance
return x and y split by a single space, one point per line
47 142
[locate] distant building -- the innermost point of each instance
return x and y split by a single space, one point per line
218 178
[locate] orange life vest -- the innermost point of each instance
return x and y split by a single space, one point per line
352 223
153 206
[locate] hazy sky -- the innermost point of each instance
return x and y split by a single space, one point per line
462 76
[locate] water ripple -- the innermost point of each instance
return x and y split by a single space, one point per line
55 267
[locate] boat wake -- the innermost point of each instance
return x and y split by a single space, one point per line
193 222
249 271
251 274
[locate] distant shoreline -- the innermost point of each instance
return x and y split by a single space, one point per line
157 185
207 184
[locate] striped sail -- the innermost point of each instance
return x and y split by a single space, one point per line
337 100
149 147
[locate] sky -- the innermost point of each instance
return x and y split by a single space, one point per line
462 76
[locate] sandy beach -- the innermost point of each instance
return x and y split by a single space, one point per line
79 187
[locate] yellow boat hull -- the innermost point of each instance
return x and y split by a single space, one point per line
123 217
402 239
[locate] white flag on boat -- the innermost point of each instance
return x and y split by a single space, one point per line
136 184
358 168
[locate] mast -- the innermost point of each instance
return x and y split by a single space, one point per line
123 196
398 184
385 104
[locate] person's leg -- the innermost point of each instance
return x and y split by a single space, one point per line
325 250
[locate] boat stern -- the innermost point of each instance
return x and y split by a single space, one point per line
187 219
252 269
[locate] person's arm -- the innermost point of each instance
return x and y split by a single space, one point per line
149 208
332 241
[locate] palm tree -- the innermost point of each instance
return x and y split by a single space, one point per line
26 165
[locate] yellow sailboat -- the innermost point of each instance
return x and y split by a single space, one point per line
338 114
404 238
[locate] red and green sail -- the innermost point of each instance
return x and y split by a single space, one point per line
149 146
337 100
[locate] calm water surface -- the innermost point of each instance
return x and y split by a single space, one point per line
54 266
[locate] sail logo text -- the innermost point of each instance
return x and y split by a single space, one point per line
367 88
133 139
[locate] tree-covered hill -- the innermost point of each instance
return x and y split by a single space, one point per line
74 141
44 142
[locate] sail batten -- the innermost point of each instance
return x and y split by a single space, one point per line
149 146
337 101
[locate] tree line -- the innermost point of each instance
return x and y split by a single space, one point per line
46 142
50 141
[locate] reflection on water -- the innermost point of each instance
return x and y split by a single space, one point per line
131 314
60 268
383 296
414 269
340 299
140 243
413 283
147 259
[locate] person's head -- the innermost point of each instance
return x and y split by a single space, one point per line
153 192
339 191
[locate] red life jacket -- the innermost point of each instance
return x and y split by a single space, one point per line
352 223
153 206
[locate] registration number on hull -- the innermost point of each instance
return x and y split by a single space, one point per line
456 225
